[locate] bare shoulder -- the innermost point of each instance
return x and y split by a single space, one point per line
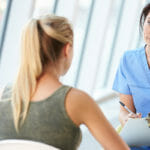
79 96
79 93
78 105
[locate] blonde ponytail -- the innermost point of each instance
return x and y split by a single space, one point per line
30 69
61 30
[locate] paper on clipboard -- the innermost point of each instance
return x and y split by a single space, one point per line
136 132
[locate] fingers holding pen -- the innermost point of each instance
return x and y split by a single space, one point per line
130 114
133 115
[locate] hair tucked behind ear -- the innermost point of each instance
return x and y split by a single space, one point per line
42 41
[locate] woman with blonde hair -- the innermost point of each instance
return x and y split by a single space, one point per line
43 108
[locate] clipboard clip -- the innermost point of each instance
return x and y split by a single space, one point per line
148 119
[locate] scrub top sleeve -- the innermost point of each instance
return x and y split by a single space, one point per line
120 83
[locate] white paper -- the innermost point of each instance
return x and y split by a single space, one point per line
136 132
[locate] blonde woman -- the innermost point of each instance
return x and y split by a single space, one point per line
43 109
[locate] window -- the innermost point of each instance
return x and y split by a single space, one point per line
2 9
43 7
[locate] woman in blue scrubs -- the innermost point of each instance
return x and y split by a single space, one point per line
132 79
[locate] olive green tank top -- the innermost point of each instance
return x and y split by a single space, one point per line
47 121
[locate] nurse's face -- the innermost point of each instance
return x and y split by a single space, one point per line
146 30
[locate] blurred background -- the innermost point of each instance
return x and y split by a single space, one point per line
103 30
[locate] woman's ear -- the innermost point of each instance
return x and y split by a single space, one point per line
66 50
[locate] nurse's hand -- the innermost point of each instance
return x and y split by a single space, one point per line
132 115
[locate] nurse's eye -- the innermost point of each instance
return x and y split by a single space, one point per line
148 21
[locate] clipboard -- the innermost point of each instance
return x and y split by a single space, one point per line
136 132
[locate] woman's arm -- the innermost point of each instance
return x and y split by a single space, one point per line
124 114
83 110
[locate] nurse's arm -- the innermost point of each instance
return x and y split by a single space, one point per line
124 114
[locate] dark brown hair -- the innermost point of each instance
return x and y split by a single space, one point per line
144 14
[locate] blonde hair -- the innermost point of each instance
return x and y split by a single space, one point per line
42 41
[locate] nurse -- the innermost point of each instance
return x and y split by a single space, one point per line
132 79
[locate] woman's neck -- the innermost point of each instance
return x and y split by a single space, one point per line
51 72
46 85
50 75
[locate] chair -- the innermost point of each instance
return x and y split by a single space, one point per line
18 144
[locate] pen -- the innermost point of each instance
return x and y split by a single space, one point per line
126 108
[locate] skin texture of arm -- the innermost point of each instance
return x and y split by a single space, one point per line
124 115
83 110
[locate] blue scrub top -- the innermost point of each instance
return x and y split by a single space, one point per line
133 78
